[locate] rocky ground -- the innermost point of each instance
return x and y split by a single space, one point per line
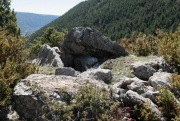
134 79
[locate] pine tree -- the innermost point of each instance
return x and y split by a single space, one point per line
8 18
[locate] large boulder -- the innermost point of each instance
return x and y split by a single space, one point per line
48 56
87 41
84 63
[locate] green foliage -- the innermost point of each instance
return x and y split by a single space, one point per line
175 81
146 113
12 64
8 18
93 102
169 47
90 103
50 37
140 44
118 18
168 105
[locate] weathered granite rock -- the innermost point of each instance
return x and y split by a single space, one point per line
87 41
67 71
159 79
160 64
141 87
124 82
48 56
28 102
84 63
142 70
98 74
134 98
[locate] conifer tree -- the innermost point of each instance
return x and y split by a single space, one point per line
8 18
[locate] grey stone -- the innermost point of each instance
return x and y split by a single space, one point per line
134 98
142 70
160 64
29 100
159 79
98 74
87 41
67 71
48 56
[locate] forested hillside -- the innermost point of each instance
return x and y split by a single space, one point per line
119 18
30 22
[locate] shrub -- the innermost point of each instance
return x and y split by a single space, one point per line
13 64
168 105
50 37
169 47
89 103
141 44
146 113
175 81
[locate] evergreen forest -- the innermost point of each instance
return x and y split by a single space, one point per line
119 18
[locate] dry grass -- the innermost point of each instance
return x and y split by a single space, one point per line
121 66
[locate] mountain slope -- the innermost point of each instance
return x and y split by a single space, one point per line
119 18
30 22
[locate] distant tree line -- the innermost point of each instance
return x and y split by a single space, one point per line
119 18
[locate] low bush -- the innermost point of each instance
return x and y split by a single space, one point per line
50 36
146 113
13 64
168 104
141 44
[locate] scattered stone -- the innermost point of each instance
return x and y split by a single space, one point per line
160 64
142 70
134 98
159 79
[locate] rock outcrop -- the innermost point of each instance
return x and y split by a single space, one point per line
48 56
29 104
87 41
